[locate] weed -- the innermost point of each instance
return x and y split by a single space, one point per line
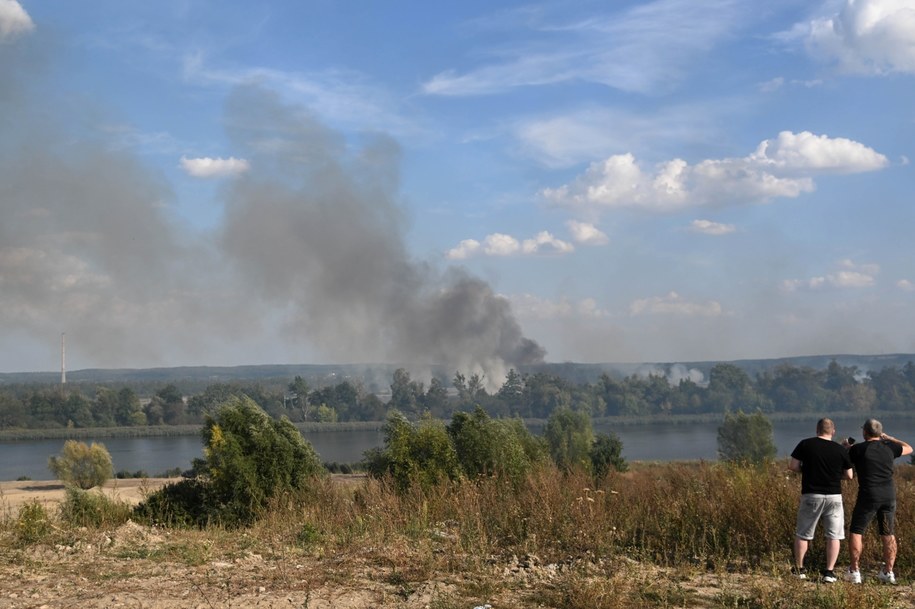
32 523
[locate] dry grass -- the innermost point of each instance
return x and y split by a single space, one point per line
661 535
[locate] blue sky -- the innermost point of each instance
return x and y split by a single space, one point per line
477 184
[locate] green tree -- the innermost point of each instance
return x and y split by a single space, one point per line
82 465
607 455
512 392
419 453
744 438
569 436
406 395
487 446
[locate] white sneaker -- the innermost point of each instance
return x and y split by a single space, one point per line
886 578
853 576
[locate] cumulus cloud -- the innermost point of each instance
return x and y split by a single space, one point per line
14 21
500 244
905 285
586 234
849 275
206 167
674 304
707 227
780 167
866 36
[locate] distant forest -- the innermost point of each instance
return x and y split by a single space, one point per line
530 394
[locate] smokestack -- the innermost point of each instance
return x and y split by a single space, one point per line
63 358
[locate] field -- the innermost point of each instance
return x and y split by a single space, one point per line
662 535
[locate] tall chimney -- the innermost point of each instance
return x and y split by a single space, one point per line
63 358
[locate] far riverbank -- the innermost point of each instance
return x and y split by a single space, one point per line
600 423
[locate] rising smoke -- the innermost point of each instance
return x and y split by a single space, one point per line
311 248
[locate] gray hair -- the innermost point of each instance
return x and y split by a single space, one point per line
872 428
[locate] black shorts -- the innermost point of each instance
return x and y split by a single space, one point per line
865 510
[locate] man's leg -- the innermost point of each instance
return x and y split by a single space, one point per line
855 546
800 550
889 552
832 553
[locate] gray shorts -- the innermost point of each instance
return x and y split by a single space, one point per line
814 506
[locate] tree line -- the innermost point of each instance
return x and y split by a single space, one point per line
784 388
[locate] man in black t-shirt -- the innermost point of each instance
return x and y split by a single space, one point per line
873 459
822 464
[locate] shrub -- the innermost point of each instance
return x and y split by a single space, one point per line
744 438
414 454
182 504
569 436
606 455
82 508
249 458
32 523
487 446
82 465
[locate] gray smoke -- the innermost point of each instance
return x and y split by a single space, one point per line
312 244
319 229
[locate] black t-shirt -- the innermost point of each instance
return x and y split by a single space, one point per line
874 463
823 464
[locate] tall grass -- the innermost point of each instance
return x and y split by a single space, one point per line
706 515
642 538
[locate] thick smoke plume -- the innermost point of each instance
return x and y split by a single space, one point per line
310 256
319 230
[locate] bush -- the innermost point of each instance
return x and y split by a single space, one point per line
606 455
413 454
249 458
32 523
487 446
83 508
182 504
744 438
569 436
82 465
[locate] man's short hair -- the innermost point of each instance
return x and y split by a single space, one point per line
872 428
825 427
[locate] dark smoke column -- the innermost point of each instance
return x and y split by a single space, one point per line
317 230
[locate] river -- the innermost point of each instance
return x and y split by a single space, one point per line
657 441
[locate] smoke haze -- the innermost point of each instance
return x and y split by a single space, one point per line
310 255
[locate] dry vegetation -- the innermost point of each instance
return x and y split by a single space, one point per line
661 535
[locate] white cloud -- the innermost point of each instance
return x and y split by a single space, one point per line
206 167
586 234
673 304
14 21
646 47
465 249
772 85
866 36
782 167
533 307
849 275
500 244
707 227
545 242
905 285
806 151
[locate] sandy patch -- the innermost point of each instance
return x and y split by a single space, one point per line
51 492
